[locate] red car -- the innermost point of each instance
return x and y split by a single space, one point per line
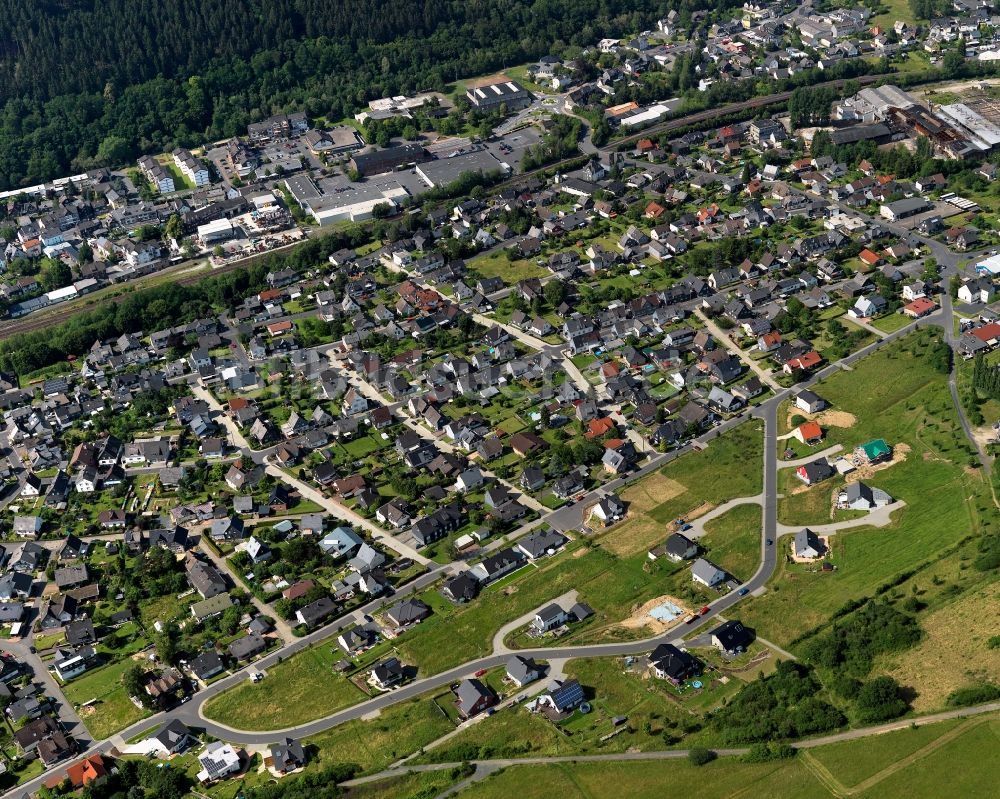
703 611
479 673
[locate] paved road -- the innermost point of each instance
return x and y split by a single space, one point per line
282 627
190 713
64 709
724 339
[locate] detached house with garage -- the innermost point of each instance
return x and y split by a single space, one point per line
668 662
707 573
859 496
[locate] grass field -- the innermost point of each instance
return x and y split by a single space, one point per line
644 780
947 763
894 396
891 10
373 745
732 541
892 322
956 643
299 689
497 265
851 763
113 710
695 480
611 585
424 784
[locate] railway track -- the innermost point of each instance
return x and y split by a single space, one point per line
33 322
30 324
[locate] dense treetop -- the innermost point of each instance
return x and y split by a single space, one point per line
86 83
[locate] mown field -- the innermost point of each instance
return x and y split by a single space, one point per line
299 689
943 761
113 710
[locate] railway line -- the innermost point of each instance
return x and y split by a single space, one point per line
13 327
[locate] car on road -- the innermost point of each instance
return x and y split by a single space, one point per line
743 591
704 610
770 541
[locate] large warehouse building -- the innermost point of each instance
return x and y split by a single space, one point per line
495 92
446 171
331 202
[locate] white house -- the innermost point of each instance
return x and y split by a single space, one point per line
707 573
978 290
549 617
809 402
469 480
217 761
609 509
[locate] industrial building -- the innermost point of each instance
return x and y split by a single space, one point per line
872 104
983 133
878 132
216 231
492 93
446 171
335 202
378 161
901 209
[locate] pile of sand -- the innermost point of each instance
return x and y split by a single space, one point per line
827 418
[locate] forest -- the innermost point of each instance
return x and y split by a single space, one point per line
86 84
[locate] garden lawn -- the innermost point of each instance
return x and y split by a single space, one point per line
892 322
299 689
113 711
732 541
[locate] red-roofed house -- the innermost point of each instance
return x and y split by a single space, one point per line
85 772
920 307
869 257
279 328
809 433
808 361
988 334
654 211
769 341
599 427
